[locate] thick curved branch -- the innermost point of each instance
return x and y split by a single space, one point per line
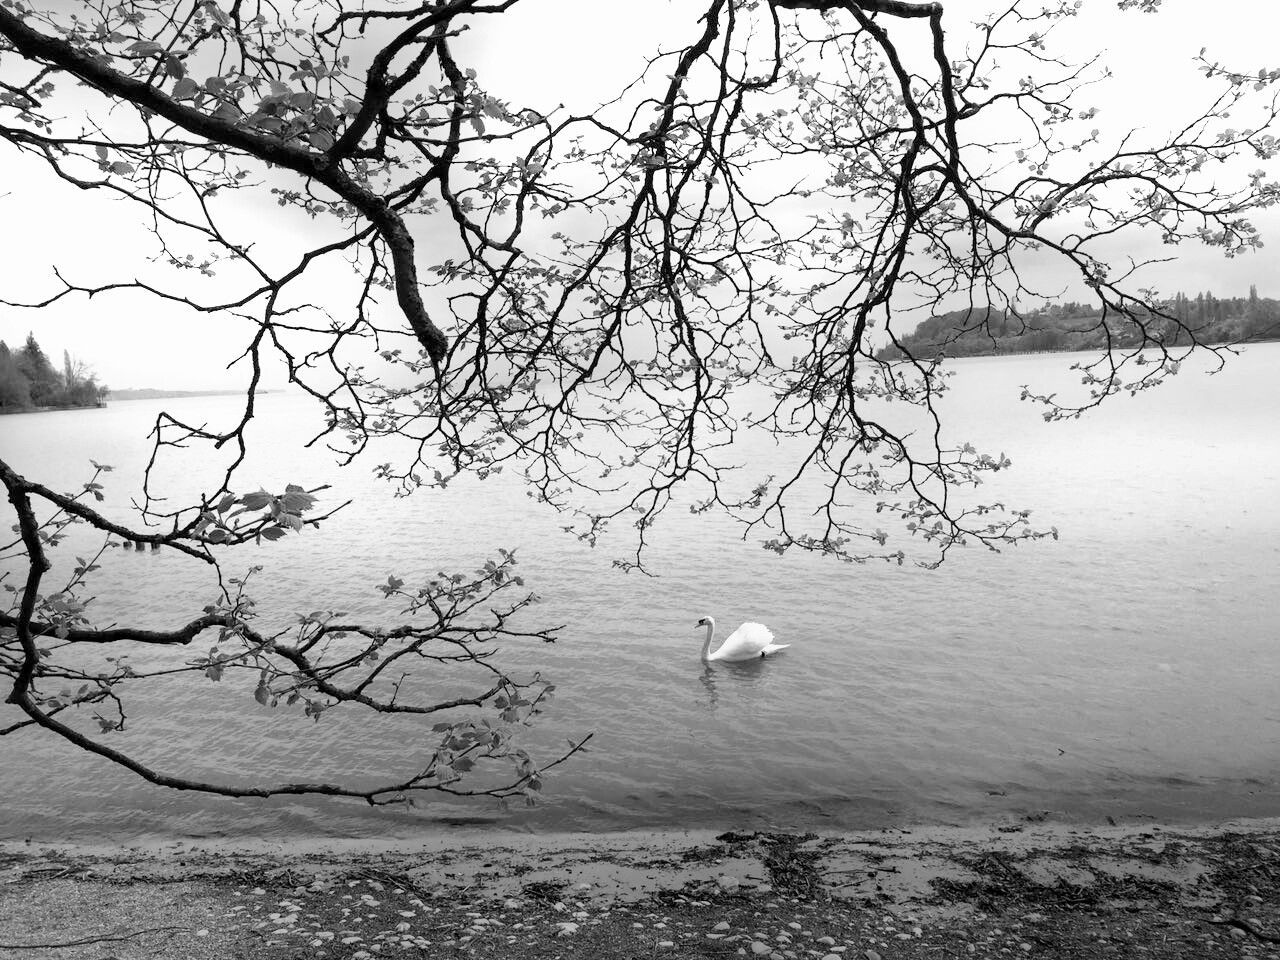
318 166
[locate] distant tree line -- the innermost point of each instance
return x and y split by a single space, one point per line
28 380
1179 321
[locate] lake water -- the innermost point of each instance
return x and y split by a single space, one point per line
1131 669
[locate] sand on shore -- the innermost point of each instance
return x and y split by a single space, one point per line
492 893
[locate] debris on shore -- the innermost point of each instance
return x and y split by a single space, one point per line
1124 892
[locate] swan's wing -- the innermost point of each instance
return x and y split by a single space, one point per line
748 640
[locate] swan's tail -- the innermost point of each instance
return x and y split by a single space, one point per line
773 648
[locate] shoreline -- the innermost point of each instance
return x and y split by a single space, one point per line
59 408
1048 890
469 838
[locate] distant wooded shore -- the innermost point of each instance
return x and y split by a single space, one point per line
139 394
147 393
1066 327
30 383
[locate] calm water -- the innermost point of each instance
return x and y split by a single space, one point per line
1131 669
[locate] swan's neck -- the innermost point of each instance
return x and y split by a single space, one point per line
706 646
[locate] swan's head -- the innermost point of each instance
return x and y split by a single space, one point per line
704 622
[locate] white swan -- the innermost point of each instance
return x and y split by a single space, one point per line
749 642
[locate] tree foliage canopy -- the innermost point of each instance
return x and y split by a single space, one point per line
27 379
600 300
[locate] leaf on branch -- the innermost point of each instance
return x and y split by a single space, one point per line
296 500
256 501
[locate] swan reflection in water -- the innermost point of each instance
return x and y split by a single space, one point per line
727 673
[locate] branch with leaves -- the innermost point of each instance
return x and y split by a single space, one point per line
53 653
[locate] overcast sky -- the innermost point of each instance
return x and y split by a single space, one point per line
577 52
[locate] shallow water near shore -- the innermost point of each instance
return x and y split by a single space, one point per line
1128 670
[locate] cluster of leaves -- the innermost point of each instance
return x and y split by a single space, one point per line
254 516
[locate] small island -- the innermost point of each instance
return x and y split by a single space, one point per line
29 382
1051 328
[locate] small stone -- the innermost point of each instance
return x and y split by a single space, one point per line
793 925
202 933
827 941
832 956
723 925
666 943
760 949
872 955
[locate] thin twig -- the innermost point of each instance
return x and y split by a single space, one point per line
88 940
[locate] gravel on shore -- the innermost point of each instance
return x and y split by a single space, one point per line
1003 891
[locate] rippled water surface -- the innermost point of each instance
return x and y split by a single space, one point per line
1132 668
